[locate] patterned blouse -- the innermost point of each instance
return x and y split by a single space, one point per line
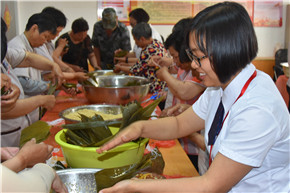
141 68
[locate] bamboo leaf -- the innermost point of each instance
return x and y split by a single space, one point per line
74 137
39 130
85 125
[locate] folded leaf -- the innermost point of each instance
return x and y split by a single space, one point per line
38 130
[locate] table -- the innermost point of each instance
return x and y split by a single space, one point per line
177 164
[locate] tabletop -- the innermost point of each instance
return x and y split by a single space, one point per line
177 163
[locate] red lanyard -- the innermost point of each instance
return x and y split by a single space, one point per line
241 94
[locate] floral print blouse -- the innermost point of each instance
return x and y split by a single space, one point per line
141 68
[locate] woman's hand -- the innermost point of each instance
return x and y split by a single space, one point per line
120 187
160 61
174 110
81 75
130 133
8 152
62 42
71 91
5 81
29 155
8 101
162 73
32 153
117 68
47 101
58 186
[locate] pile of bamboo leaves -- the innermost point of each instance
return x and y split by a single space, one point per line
94 132
151 162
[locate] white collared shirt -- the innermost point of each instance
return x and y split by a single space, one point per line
255 133
21 42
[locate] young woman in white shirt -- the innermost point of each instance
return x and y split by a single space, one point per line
250 149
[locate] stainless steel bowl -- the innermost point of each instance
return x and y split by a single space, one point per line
104 72
109 109
79 180
115 89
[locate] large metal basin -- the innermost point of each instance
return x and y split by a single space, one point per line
104 72
115 89
108 109
79 180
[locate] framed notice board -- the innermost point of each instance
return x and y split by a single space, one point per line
166 12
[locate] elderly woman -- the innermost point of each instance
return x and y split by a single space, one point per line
248 138
150 47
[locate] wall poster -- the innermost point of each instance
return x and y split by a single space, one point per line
265 13
268 13
165 12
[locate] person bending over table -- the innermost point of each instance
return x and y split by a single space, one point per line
79 49
185 88
150 47
17 118
248 137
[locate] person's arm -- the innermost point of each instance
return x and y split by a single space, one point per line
8 153
184 90
75 75
27 105
33 87
174 110
97 54
161 129
198 139
221 176
58 53
118 68
8 101
93 61
40 62
40 178
126 59
29 155
160 61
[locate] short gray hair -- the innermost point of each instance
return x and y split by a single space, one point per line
142 30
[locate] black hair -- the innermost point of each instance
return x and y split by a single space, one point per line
80 25
177 40
44 21
3 39
58 16
142 30
140 15
226 34
182 24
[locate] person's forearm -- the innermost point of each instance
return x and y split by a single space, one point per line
171 127
198 139
98 55
64 67
131 55
37 61
37 179
125 69
183 90
93 61
24 106
15 164
192 184
160 129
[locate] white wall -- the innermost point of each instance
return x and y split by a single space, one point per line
269 38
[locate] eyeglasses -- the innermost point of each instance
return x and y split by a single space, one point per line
194 58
